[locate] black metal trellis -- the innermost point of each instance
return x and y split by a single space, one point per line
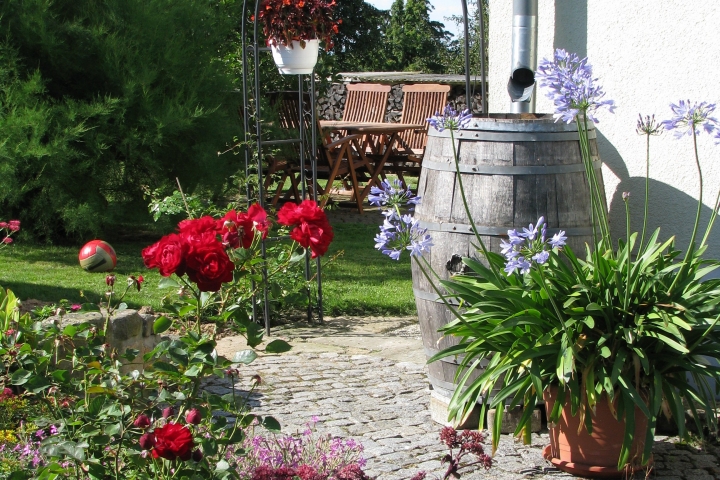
252 105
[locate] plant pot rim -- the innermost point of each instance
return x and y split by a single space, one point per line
583 470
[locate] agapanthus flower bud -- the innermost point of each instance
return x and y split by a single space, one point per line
142 421
193 416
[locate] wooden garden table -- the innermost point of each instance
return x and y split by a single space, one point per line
381 139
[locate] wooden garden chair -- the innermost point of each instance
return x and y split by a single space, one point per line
337 159
286 167
365 102
420 102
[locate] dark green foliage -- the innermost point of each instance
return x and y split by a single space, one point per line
357 47
100 98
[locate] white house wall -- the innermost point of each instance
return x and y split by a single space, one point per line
646 54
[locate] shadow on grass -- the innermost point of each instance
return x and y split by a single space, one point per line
54 294
129 255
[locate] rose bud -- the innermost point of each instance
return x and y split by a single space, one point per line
142 421
193 416
167 412
197 455
256 380
110 280
147 441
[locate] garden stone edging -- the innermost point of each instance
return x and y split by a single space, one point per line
127 329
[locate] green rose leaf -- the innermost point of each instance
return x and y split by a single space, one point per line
271 424
161 325
168 282
245 356
20 377
278 346
193 371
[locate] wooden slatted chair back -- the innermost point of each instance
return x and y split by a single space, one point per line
365 102
420 102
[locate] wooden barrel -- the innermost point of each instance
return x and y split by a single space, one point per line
514 170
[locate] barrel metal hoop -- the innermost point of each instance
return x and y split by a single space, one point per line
487 230
510 170
432 297
475 135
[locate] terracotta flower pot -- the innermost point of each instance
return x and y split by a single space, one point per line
593 455
296 60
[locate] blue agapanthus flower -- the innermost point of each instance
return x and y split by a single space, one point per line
692 117
529 244
402 234
391 195
572 87
450 119
399 231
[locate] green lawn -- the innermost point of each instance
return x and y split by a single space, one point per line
361 282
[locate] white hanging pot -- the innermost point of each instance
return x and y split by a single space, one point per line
296 60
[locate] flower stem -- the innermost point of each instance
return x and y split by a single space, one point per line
552 298
467 208
691 247
647 192
596 197
628 249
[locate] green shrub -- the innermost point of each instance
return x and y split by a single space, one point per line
98 99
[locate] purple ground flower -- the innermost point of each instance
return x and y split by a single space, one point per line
572 87
689 117
450 119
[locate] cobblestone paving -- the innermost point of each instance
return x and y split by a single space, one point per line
384 405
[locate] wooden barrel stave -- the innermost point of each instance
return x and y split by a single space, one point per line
497 202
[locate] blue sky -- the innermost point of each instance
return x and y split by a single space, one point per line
443 8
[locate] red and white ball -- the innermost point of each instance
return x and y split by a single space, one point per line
97 256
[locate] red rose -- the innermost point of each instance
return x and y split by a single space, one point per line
173 441
198 227
167 255
312 229
209 266
142 421
241 227
147 441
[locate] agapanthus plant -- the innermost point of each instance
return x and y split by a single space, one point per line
627 324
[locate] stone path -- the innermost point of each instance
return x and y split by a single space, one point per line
384 404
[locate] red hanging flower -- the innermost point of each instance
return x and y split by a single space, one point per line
312 228
173 441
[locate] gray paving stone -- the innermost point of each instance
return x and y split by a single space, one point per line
384 406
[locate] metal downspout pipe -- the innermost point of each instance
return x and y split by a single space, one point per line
524 56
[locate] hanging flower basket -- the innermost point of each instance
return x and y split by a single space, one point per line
296 60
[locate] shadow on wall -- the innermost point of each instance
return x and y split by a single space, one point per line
571 22
669 208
